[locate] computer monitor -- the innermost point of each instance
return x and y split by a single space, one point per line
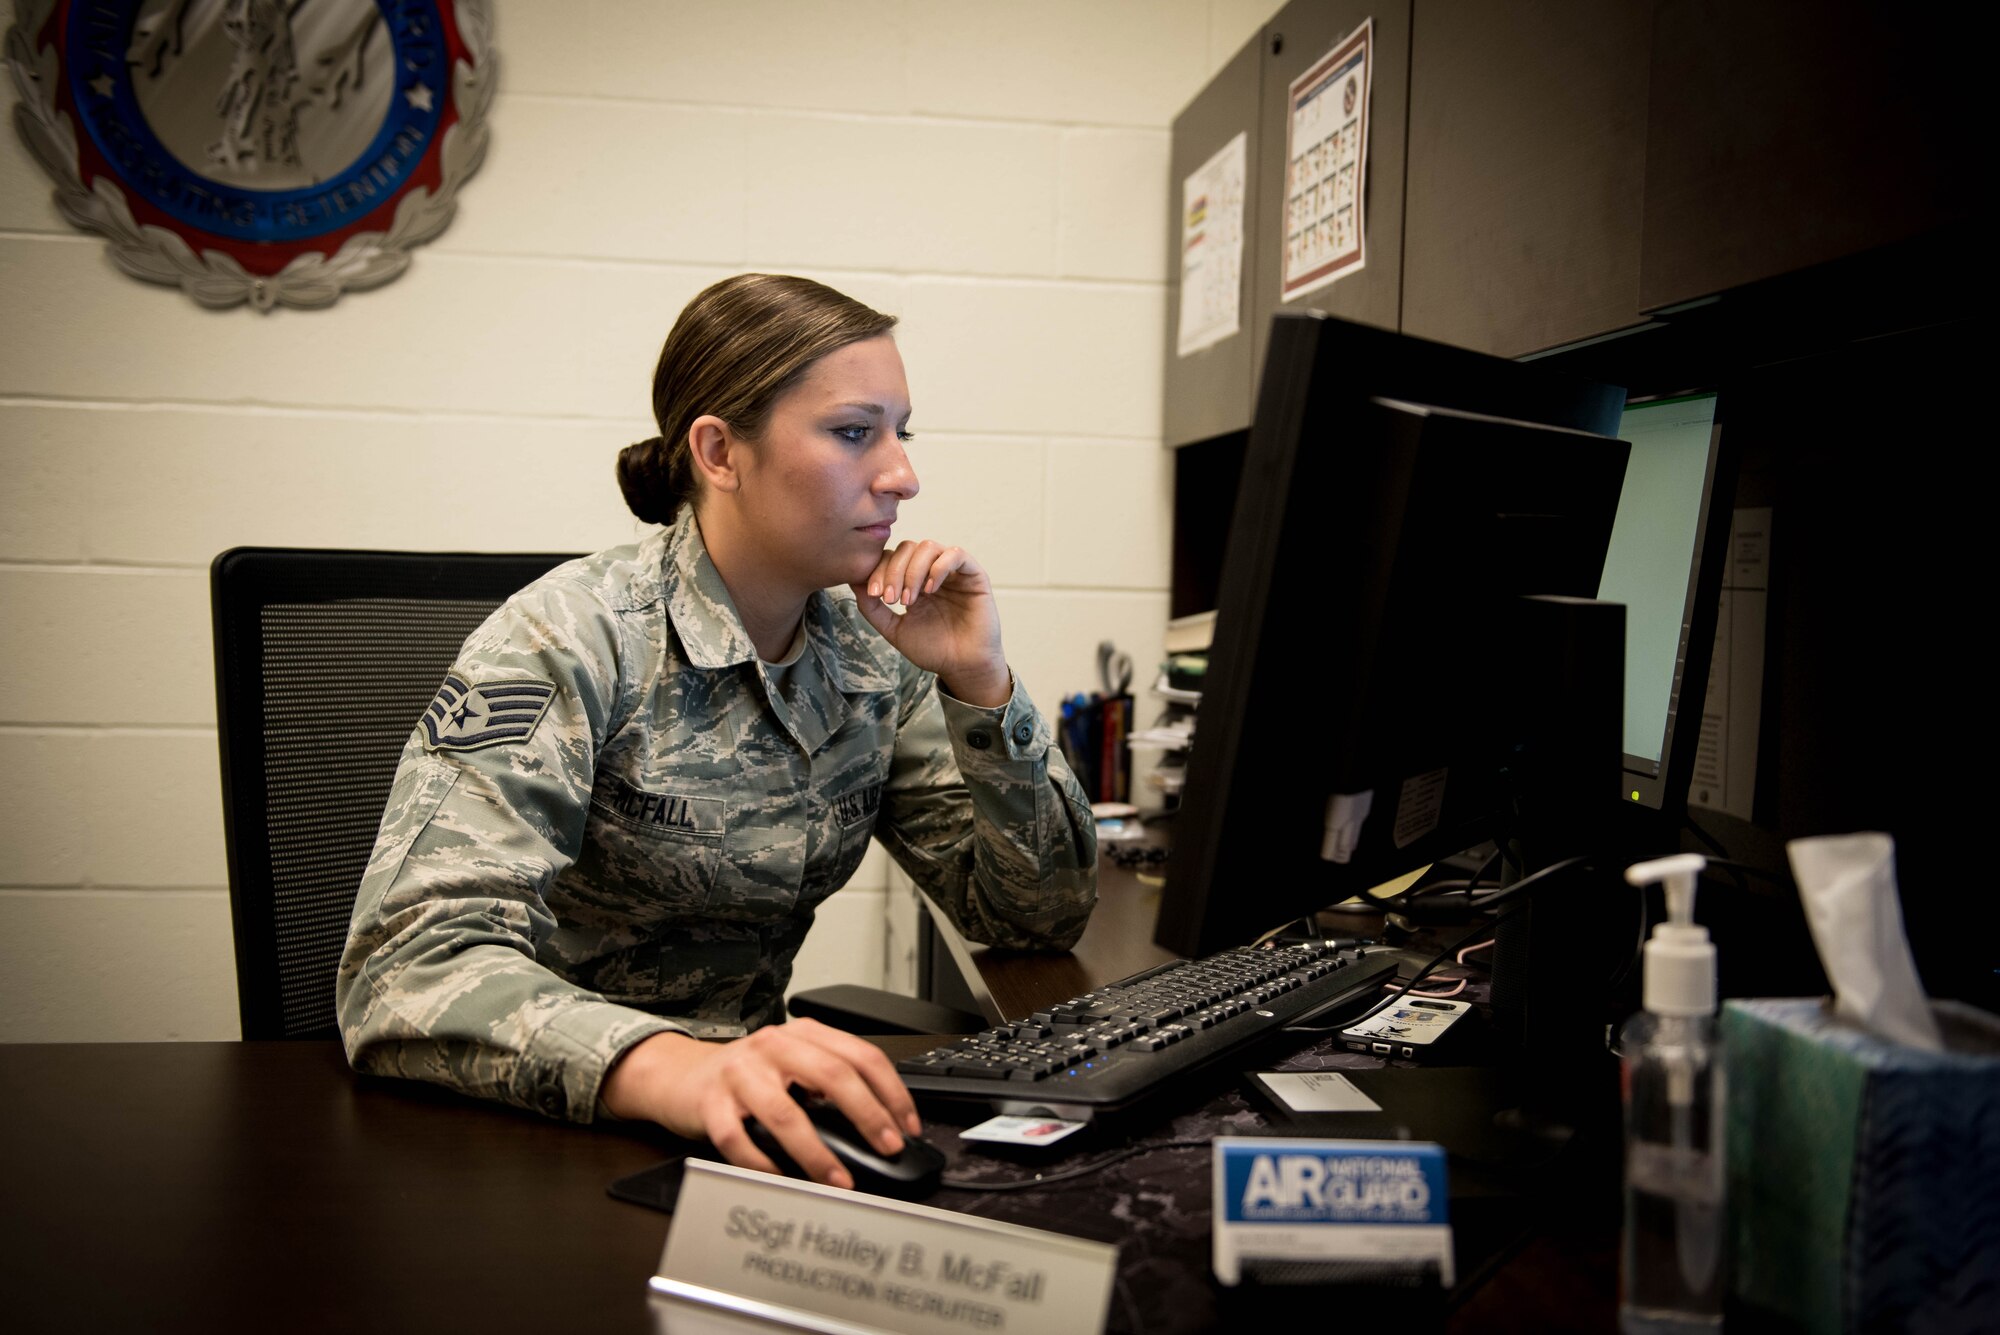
1669 545
1397 497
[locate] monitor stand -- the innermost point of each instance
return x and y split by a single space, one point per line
1562 938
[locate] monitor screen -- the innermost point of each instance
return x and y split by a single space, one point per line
1656 565
1397 498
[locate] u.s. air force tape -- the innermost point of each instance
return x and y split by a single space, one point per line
464 717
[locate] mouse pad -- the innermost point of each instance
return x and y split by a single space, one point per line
657 1187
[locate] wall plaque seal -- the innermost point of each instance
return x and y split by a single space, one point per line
275 152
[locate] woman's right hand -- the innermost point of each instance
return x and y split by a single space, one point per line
698 1089
950 624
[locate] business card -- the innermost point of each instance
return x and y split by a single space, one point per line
1022 1130
1316 1091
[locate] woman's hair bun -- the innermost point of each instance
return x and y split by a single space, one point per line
643 478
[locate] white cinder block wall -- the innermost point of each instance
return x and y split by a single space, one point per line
994 174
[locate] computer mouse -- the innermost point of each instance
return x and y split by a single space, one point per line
908 1175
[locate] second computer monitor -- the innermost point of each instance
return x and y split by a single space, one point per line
1665 564
1397 497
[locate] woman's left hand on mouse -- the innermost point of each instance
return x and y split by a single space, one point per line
949 624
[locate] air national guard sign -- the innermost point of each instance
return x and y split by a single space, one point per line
268 151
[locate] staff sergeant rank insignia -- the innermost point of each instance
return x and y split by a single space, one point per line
465 718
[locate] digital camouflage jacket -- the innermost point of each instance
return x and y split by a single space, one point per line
614 820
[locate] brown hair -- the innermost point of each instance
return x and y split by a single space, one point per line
739 345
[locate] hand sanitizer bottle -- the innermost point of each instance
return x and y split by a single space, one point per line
1673 1272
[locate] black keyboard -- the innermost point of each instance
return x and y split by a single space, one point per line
1107 1050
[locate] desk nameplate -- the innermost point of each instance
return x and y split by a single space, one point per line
816 1258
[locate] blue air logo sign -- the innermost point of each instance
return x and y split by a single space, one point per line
1329 1199
1344 1186
464 717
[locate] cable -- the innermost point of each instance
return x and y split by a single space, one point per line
1506 893
1707 838
1466 944
1403 989
1727 863
1461 983
1483 930
1720 855
1402 899
1638 947
1282 929
1046 1179
1749 869
1472 882
1456 989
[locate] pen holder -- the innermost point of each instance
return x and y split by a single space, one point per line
1093 742
1864 1176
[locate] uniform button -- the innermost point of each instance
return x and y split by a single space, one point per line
978 739
1024 733
552 1102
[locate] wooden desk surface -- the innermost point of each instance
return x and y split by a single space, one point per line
224 1186
1117 944
263 1186
218 1186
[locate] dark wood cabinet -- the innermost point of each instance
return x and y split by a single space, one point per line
1209 392
1545 172
1527 163
1788 133
1294 40
1213 391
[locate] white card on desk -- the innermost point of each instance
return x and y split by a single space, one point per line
1022 1130
817 1258
1316 1091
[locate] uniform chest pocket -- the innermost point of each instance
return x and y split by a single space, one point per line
657 845
851 818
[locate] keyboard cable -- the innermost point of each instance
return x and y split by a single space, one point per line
1482 930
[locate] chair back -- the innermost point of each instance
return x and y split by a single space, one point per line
323 662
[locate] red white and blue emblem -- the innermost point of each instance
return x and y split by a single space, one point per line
262 151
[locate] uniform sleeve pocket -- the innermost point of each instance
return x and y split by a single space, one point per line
413 800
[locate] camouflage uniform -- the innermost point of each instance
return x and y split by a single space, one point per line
615 821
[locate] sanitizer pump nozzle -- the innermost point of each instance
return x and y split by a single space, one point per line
1680 960
1673 1122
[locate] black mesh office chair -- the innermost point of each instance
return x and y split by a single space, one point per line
323 661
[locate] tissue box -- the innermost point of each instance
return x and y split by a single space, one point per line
1864 1176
